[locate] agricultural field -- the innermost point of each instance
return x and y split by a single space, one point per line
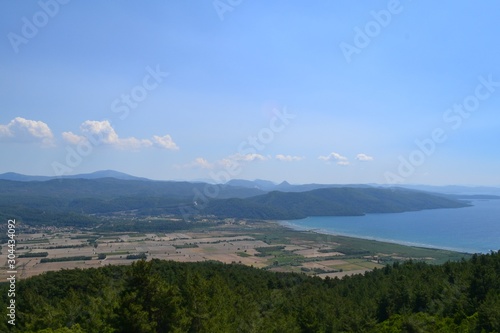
260 244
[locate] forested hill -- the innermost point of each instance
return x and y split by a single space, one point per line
164 296
54 200
109 188
344 201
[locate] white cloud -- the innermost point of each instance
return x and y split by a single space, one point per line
73 138
249 157
203 163
101 132
132 143
198 162
364 157
288 158
165 142
230 161
339 159
25 130
238 157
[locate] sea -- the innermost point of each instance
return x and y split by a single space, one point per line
474 229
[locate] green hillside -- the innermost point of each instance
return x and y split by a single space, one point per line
163 296
73 201
344 201
70 201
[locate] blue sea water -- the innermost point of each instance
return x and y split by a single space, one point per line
474 229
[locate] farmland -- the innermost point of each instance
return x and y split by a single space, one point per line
259 244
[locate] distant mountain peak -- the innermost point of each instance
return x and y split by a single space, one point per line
93 175
106 174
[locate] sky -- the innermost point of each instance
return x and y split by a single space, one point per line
399 92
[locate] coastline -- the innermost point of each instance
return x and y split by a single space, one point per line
470 230
290 225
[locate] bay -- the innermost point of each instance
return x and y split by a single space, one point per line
474 229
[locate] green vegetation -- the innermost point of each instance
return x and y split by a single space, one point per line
278 256
268 250
108 202
153 226
328 250
75 202
86 236
34 241
33 255
341 201
186 246
351 251
164 296
137 256
116 253
76 258
65 246
273 233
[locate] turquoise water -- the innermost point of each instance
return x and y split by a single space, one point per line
470 229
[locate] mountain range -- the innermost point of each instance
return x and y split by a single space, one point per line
107 192
94 175
333 201
264 186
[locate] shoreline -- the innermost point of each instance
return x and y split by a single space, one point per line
472 230
289 225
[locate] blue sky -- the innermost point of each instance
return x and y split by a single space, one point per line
327 92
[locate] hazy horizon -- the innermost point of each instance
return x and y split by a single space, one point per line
276 182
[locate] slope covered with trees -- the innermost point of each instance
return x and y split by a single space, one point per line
162 296
337 201
73 201
65 202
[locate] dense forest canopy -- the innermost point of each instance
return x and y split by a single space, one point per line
165 296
